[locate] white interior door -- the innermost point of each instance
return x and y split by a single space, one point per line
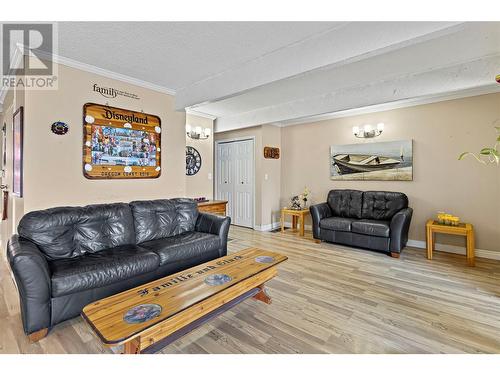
235 180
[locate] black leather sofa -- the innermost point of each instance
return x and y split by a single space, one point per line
66 257
376 220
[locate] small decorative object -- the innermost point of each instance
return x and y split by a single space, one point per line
487 155
197 132
264 259
497 78
217 279
367 131
304 196
295 203
193 161
142 313
201 199
447 219
271 152
120 144
59 128
18 135
379 161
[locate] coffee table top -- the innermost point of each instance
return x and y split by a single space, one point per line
122 316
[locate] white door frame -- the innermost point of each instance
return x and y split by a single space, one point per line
216 164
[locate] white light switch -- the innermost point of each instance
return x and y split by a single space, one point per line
266 177
210 176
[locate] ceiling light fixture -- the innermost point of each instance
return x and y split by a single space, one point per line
367 131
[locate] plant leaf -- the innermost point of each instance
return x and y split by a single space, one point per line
463 154
487 151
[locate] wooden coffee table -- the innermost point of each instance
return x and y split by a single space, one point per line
151 316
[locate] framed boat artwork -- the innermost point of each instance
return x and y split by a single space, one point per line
379 161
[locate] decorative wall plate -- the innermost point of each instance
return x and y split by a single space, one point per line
59 128
193 161
217 279
142 313
264 259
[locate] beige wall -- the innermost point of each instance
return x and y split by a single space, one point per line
440 132
201 184
267 192
53 164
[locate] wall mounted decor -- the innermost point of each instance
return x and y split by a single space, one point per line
17 150
197 132
271 152
367 131
120 144
59 128
193 161
381 161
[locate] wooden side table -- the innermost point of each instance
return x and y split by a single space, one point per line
213 207
297 215
463 229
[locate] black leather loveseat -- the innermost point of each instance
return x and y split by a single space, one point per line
377 220
67 257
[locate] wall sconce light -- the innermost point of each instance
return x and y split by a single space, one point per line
367 131
197 132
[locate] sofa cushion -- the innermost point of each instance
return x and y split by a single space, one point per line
382 205
378 228
94 270
342 224
67 232
163 218
346 203
183 246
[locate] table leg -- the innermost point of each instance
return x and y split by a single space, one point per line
302 225
133 346
470 248
282 222
294 222
430 243
262 295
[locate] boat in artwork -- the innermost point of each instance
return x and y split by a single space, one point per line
355 163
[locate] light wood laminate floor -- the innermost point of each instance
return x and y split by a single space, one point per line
326 299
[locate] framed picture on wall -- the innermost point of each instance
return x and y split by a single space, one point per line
17 132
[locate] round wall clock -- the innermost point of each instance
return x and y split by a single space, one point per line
59 128
193 161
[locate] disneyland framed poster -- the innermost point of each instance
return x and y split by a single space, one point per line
120 143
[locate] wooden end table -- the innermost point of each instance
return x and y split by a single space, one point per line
463 229
297 215
147 318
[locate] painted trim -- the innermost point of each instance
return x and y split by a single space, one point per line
96 70
404 103
254 169
193 112
480 253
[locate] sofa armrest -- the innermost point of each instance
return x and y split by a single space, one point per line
214 224
32 276
319 212
400 225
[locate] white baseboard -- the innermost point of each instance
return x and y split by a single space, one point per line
480 253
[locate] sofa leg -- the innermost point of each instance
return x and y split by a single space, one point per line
38 335
395 255
317 241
